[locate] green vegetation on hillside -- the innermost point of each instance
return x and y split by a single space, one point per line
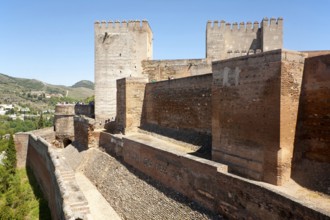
20 197
9 126
36 93
32 105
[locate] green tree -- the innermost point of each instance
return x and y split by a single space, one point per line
40 122
10 162
89 99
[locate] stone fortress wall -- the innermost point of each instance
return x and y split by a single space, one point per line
63 123
120 47
55 178
226 40
157 70
179 108
262 117
311 158
255 104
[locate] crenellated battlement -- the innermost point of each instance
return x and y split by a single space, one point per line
226 40
130 25
242 26
272 22
233 27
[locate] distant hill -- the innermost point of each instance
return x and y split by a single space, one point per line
84 83
13 90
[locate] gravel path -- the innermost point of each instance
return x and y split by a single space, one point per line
135 196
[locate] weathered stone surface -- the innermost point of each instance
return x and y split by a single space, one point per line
21 144
226 40
157 70
56 179
119 50
130 96
63 123
312 145
84 133
255 103
179 106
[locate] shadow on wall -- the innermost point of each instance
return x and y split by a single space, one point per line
180 109
111 127
202 141
66 142
44 212
311 159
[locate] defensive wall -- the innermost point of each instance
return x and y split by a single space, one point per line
204 181
179 108
264 89
255 105
226 40
84 133
64 121
249 106
124 49
130 96
157 70
55 178
267 115
21 140
201 180
311 162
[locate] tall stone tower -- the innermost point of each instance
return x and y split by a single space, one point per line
226 40
272 34
119 49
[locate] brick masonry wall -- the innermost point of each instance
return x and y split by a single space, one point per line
87 110
56 179
180 105
111 143
208 183
157 70
21 140
312 146
44 170
255 100
130 95
83 132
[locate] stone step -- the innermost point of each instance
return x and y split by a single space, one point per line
76 204
84 209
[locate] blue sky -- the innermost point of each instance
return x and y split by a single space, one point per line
53 40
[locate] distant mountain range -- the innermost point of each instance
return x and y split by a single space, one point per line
14 89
